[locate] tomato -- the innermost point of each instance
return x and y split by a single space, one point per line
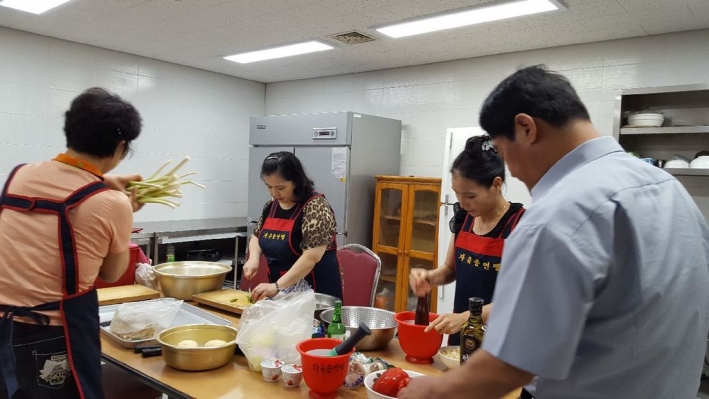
404 383
389 382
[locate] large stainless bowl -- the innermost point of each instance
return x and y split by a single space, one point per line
181 280
322 302
201 358
380 321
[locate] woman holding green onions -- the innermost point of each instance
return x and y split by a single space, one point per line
296 232
62 224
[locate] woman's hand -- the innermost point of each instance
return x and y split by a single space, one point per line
419 281
251 268
120 182
263 290
448 323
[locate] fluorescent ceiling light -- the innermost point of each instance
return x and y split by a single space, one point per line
279 52
470 17
33 6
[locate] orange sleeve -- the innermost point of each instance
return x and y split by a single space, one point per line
120 223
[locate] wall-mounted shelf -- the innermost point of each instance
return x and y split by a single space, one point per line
686 113
687 172
665 130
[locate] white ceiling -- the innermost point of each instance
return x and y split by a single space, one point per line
199 33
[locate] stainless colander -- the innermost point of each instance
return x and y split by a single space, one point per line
380 321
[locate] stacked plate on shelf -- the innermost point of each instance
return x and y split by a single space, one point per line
645 119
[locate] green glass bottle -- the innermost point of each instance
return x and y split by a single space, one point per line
336 329
471 335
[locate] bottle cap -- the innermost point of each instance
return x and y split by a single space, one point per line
476 303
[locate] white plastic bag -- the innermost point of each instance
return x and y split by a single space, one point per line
270 329
136 321
145 276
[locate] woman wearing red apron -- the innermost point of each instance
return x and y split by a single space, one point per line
483 219
296 232
61 225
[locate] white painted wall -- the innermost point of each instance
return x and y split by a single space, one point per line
185 111
430 98
188 111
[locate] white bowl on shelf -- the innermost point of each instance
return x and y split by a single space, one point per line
700 162
676 164
646 119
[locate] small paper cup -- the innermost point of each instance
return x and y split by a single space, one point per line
292 375
271 370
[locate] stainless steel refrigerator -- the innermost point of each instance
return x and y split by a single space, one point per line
341 152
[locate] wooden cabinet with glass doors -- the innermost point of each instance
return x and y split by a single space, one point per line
405 236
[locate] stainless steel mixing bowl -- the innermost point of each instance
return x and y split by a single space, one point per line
380 321
322 302
181 280
201 358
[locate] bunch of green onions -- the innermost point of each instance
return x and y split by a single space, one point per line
160 189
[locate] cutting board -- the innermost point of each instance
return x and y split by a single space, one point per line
125 293
224 300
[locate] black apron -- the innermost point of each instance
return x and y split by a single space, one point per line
477 263
79 310
282 251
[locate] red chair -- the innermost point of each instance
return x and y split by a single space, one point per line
361 268
260 277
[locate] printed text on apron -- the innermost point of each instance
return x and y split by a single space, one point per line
477 263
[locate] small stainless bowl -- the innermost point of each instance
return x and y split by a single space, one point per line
181 280
322 302
380 321
201 358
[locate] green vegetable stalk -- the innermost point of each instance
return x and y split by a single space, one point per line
161 189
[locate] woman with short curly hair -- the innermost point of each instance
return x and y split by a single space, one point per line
63 223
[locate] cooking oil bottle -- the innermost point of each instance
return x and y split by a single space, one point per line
471 335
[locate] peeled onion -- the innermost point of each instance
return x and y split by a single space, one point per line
215 343
188 343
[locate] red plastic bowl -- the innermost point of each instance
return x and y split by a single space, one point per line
324 375
419 346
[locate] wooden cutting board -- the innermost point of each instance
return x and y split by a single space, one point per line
125 293
224 300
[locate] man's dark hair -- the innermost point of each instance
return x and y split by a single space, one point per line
534 91
98 121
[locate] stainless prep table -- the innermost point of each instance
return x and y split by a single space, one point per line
176 231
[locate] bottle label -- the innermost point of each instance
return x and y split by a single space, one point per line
171 258
338 336
469 345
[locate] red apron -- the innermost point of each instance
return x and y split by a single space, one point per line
282 250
